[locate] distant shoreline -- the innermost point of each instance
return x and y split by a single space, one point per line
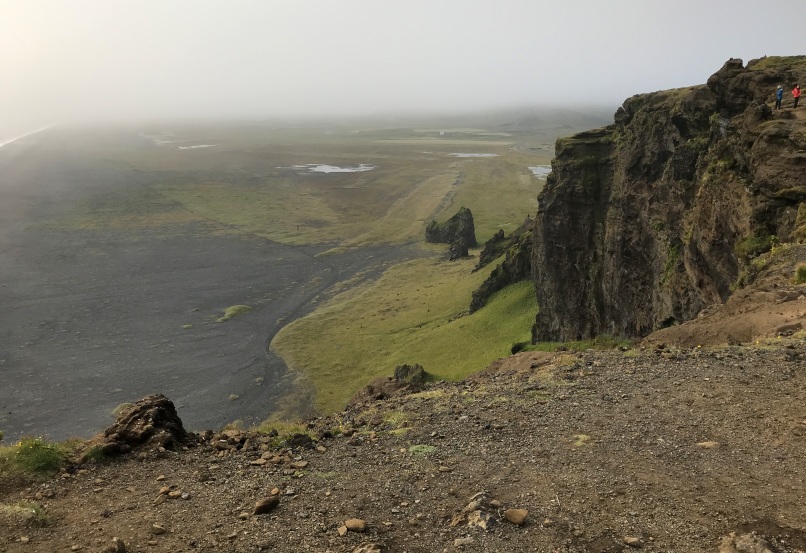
10 140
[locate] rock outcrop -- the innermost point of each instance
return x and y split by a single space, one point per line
458 231
645 222
515 267
152 420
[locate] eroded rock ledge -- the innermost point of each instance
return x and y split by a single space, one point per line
647 221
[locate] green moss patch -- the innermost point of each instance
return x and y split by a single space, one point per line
234 311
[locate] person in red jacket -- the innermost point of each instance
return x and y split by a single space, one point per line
796 95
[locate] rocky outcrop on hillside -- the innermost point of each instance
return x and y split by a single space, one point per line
515 267
459 231
151 421
645 222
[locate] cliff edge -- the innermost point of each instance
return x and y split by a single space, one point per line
644 223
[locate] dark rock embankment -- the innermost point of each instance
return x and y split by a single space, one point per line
459 231
644 223
515 267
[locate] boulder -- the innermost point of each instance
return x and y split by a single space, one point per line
150 421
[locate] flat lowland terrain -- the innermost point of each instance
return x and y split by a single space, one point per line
121 250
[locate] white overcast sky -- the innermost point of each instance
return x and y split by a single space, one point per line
64 60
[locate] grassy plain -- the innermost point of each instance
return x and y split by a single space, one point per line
408 316
248 183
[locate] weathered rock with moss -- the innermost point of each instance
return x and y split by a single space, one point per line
458 230
516 266
639 223
150 421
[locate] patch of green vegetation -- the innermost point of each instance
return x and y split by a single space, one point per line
283 431
755 245
395 418
800 274
116 412
366 332
581 440
599 342
96 453
672 257
777 62
27 512
234 311
799 233
33 457
421 450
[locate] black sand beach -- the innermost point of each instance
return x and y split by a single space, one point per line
92 318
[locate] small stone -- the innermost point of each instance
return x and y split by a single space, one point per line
185 496
175 494
321 449
445 469
708 445
160 478
355 524
117 546
632 541
496 504
342 531
480 519
24 539
547 522
165 490
75 548
258 462
516 516
369 548
299 464
160 499
275 491
232 536
157 529
459 542
290 491
267 505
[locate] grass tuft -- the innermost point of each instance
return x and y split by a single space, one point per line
33 457
421 450
234 311
26 512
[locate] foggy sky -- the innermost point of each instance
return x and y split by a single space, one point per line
97 60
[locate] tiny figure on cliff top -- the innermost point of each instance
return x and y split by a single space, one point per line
779 95
796 95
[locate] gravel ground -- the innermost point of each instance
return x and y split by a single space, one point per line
659 449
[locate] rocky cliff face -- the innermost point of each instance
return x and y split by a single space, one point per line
645 222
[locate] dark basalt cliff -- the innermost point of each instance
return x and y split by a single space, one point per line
643 223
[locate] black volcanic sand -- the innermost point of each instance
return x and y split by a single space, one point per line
95 318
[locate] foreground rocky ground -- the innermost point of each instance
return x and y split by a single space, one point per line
657 449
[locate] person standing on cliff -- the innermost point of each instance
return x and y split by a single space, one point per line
796 95
779 96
